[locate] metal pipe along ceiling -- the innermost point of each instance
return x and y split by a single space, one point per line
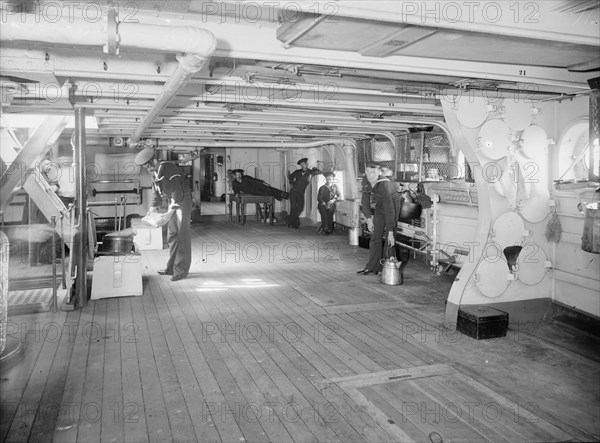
193 45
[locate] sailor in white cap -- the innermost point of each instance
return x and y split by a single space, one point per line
170 183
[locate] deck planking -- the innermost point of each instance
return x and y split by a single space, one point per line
180 363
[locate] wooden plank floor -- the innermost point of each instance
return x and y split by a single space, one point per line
274 337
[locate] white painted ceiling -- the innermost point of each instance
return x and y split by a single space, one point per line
298 71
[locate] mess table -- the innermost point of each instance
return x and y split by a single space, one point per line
241 200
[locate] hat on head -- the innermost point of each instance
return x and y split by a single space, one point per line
302 160
241 171
144 156
373 164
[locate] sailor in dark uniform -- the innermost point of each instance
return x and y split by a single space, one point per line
326 197
169 182
299 180
383 217
396 191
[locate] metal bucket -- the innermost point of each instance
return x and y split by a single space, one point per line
410 209
590 241
117 244
353 236
390 273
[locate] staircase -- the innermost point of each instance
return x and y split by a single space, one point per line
23 171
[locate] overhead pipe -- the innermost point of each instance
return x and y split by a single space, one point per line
279 144
188 65
67 30
192 45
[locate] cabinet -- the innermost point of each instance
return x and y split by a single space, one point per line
425 156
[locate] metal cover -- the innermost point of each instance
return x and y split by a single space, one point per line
472 111
536 208
494 139
531 264
508 230
492 276
534 142
516 114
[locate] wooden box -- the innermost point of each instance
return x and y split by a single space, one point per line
364 240
117 276
482 322
146 237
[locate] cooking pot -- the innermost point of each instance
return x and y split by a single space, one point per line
117 244
391 274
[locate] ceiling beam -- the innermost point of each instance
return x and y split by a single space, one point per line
241 40
525 19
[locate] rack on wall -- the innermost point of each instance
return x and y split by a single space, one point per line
424 156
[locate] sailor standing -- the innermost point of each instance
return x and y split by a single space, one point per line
299 180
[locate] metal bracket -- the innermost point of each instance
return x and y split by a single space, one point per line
112 46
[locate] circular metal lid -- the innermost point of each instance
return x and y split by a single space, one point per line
472 111
573 141
508 230
492 277
494 139
536 208
516 114
534 142
531 264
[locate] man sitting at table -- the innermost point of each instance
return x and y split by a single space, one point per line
249 185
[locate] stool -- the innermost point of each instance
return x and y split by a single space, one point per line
232 198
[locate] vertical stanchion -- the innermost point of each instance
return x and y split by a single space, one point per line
3 289
54 303
62 251
81 199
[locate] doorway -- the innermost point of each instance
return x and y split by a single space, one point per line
212 182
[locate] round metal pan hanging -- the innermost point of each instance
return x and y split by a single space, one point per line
509 230
492 275
534 142
472 111
531 264
495 139
535 208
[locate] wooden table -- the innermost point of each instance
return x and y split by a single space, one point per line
242 200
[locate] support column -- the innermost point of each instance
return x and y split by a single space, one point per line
81 208
594 172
